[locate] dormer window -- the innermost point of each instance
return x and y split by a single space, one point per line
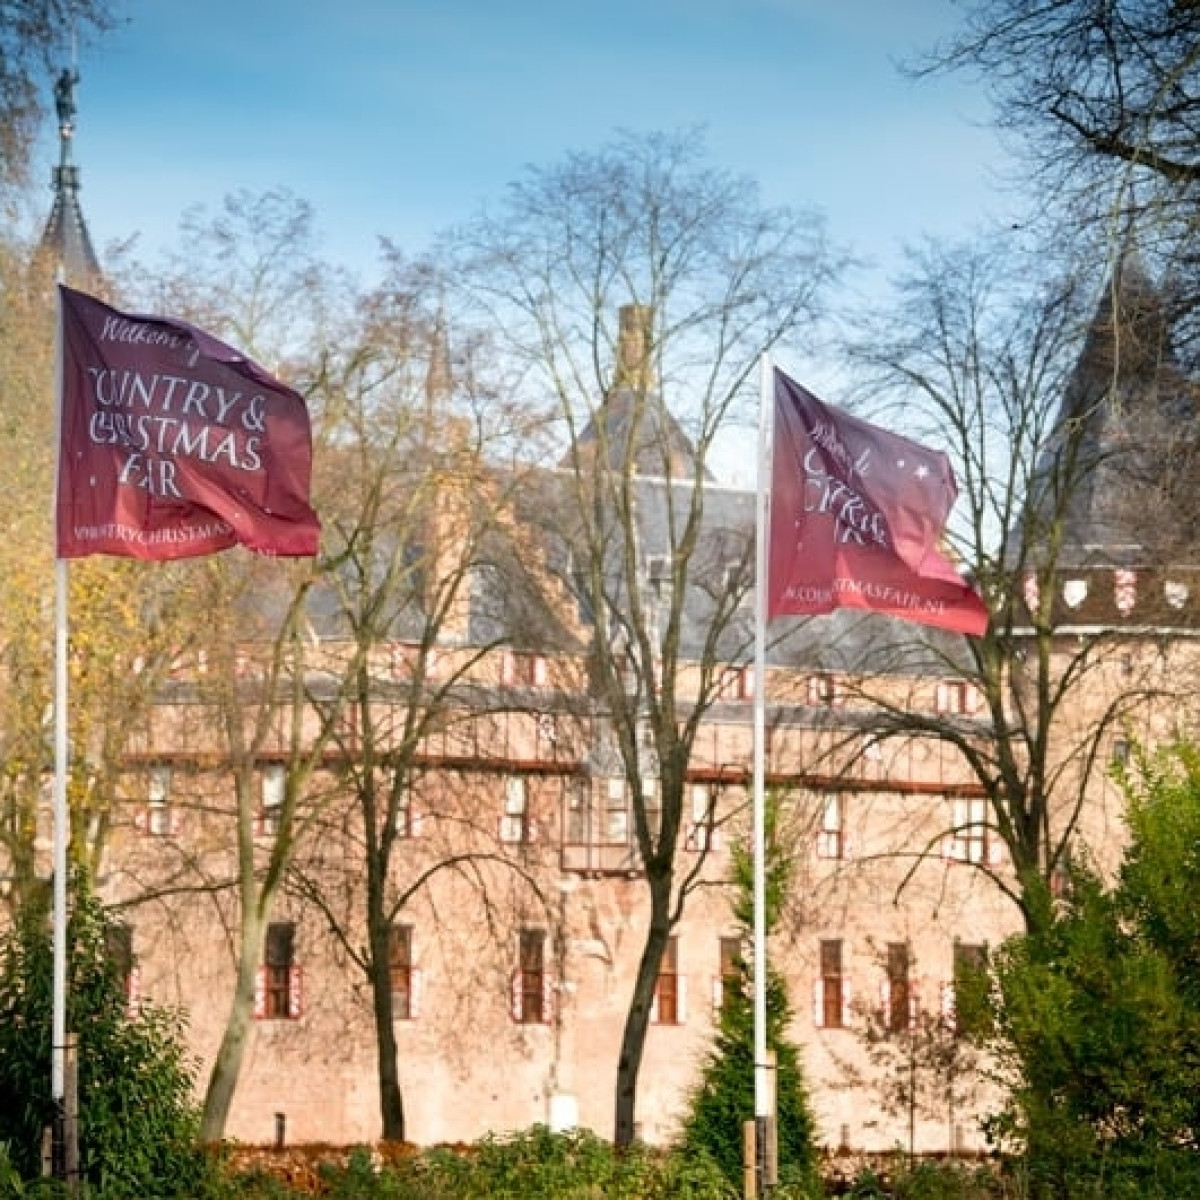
823 690
658 573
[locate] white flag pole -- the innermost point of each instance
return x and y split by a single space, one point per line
762 1080
62 829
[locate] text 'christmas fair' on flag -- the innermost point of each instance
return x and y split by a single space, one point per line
857 515
173 444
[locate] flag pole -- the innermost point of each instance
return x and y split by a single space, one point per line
762 1080
58 1031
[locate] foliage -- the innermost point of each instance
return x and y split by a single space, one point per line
1098 1021
724 1097
927 1067
537 1164
137 1124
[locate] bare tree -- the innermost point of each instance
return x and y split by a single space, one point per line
637 287
249 273
1105 99
1036 389
422 582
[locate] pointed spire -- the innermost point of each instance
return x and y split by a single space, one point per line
438 378
66 237
1127 415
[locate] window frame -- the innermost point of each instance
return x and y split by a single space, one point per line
278 985
531 983
832 990
831 834
669 1004
403 973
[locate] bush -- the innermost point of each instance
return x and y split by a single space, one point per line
137 1119
1099 1013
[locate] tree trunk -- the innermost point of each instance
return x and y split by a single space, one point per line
379 930
637 1021
391 1101
227 1066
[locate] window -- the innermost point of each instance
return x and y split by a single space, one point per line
669 1006
547 736
968 995
730 977
898 996
277 994
970 839
515 826
158 819
955 697
118 949
652 804
413 662
1120 751
734 577
616 813
658 574
736 683
524 670
531 984
832 1000
831 840
270 809
577 827
823 691
702 833
407 818
404 976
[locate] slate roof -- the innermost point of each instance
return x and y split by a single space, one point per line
1129 415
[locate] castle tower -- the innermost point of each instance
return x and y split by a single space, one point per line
66 238
632 424
1120 471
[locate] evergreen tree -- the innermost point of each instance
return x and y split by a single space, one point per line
724 1099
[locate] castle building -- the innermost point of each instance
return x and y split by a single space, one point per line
516 900
511 979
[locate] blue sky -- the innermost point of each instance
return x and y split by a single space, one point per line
400 117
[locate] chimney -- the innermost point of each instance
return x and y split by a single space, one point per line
634 349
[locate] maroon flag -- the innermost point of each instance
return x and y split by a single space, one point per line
857 515
173 444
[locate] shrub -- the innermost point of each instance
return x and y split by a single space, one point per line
137 1120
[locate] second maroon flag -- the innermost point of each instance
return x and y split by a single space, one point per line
857 515
173 444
